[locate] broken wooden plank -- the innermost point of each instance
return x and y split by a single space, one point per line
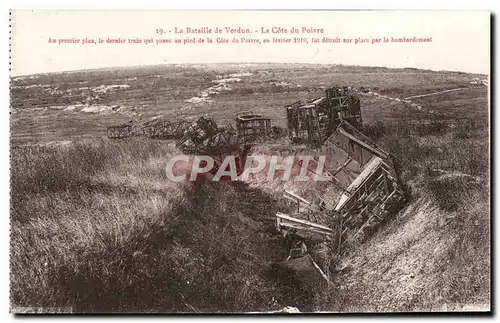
300 201
371 217
302 228
305 222
357 184
341 167
318 269
340 235
297 197
370 148
278 223
339 185
388 197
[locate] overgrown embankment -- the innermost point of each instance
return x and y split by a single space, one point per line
435 254
97 227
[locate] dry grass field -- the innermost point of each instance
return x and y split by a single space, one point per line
97 227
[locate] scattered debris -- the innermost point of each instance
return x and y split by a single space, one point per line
73 107
199 100
284 221
107 88
241 74
103 109
282 83
478 82
221 86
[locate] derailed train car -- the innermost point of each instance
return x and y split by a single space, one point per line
313 122
366 187
159 128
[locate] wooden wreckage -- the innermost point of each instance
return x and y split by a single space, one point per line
359 206
366 186
158 128
314 121
250 127
342 220
204 136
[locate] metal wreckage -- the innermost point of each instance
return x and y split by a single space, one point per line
366 185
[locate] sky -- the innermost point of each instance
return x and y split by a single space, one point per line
460 39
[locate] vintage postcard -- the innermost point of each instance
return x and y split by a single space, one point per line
249 161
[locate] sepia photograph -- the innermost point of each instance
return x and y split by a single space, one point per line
276 162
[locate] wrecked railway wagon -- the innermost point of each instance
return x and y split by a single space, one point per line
164 129
158 128
376 193
205 137
365 190
120 131
252 126
313 121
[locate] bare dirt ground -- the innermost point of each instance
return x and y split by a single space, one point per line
96 226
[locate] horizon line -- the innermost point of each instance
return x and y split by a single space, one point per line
245 63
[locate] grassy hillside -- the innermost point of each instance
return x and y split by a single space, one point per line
96 226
